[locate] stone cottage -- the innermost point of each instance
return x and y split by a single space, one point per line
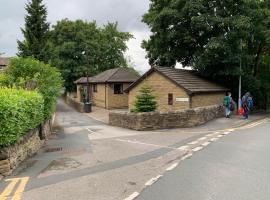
177 89
107 88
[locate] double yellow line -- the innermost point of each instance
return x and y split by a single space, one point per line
11 186
254 124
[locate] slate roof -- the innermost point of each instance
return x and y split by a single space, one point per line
4 61
186 79
115 75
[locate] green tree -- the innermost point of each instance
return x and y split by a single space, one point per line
145 101
80 48
207 35
31 74
36 32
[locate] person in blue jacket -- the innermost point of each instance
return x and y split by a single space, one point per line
247 104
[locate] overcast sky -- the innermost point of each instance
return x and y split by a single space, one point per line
128 13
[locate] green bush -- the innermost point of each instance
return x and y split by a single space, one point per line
145 101
20 111
32 74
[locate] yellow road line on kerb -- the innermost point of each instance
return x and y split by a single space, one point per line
4 195
254 124
20 189
11 186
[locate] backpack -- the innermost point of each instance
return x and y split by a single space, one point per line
232 106
250 102
244 101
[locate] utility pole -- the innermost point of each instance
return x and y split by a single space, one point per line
240 77
87 104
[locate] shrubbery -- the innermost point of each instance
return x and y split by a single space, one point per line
20 111
31 74
145 101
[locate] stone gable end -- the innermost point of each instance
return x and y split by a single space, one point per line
161 88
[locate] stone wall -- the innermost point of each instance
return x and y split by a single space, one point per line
27 146
79 106
165 120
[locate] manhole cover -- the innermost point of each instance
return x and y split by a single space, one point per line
53 149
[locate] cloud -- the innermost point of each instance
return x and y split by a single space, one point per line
128 14
136 53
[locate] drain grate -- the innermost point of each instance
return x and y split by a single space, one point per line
53 149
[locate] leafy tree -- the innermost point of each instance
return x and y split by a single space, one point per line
81 48
145 101
212 36
36 32
32 74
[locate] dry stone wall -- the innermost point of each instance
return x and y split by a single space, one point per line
79 106
27 146
165 120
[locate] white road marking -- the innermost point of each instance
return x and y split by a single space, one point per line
220 136
214 139
186 156
206 144
152 180
91 132
183 148
226 133
172 167
197 149
209 135
142 143
194 142
202 138
132 196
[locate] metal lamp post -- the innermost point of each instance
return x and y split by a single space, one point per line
240 78
87 104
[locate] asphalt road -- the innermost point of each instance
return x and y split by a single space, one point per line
99 162
237 167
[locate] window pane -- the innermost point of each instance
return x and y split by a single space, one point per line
118 88
170 99
95 87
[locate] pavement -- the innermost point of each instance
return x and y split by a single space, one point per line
87 159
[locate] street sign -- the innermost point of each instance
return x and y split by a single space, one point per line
182 99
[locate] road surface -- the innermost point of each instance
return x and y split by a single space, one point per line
87 159
237 167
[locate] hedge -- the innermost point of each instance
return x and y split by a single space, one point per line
20 111
32 74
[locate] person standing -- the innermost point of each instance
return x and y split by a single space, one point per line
226 104
247 104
